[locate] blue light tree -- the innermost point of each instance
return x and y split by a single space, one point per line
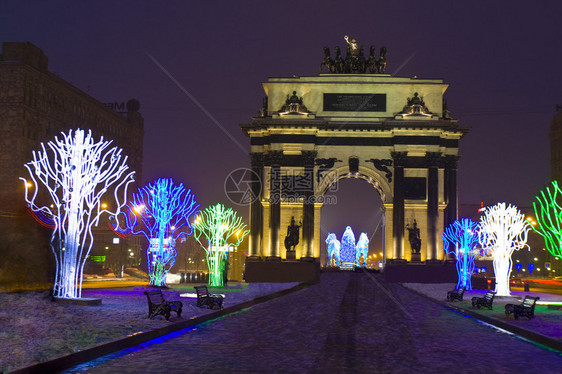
162 212
348 248
463 235
77 172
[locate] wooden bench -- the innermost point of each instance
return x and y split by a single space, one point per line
525 309
158 306
455 294
485 302
205 298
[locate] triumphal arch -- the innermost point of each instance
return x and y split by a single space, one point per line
350 122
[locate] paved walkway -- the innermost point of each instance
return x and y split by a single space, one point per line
350 322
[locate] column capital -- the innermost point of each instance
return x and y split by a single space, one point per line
256 159
399 158
309 157
274 158
432 159
451 161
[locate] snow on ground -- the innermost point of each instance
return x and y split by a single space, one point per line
547 321
34 329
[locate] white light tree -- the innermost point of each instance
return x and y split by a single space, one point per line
503 229
221 229
161 211
76 171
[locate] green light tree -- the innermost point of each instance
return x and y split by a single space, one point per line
217 229
548 211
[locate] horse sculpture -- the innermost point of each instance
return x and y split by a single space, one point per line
338 61
362 249
381 63
334 247
372 61
327 61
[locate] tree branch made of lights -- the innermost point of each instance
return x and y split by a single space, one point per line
76 172
463 236
548 213
503 229
162 212
217 229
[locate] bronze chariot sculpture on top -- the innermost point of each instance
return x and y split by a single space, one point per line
355 61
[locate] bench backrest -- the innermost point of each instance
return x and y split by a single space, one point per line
202 291
529 301
155 297
489 295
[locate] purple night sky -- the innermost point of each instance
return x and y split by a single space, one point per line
501 59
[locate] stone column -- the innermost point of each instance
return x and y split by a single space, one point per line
256 208
275 158
432 161
398 205
451 193
308 207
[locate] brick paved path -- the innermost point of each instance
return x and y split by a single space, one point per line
350 322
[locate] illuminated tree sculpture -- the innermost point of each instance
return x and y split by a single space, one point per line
348 249
218 229
362 249
549 218
502 231
76 171
463 235
161 211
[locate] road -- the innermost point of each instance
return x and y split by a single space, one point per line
349 323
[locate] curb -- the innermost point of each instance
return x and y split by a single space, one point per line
526 334
89 354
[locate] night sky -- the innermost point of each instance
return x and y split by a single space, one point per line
502 60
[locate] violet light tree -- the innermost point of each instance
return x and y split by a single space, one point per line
548 212
76 172
218 229
503 229
161 211
463 236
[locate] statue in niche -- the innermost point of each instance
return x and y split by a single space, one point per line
292 238
294 105
415 107
263 110
414 237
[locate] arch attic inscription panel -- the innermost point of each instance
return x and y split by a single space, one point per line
391 132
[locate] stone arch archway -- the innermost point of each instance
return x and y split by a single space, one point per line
301 145
372 207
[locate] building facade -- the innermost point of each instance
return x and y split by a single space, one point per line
36 105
